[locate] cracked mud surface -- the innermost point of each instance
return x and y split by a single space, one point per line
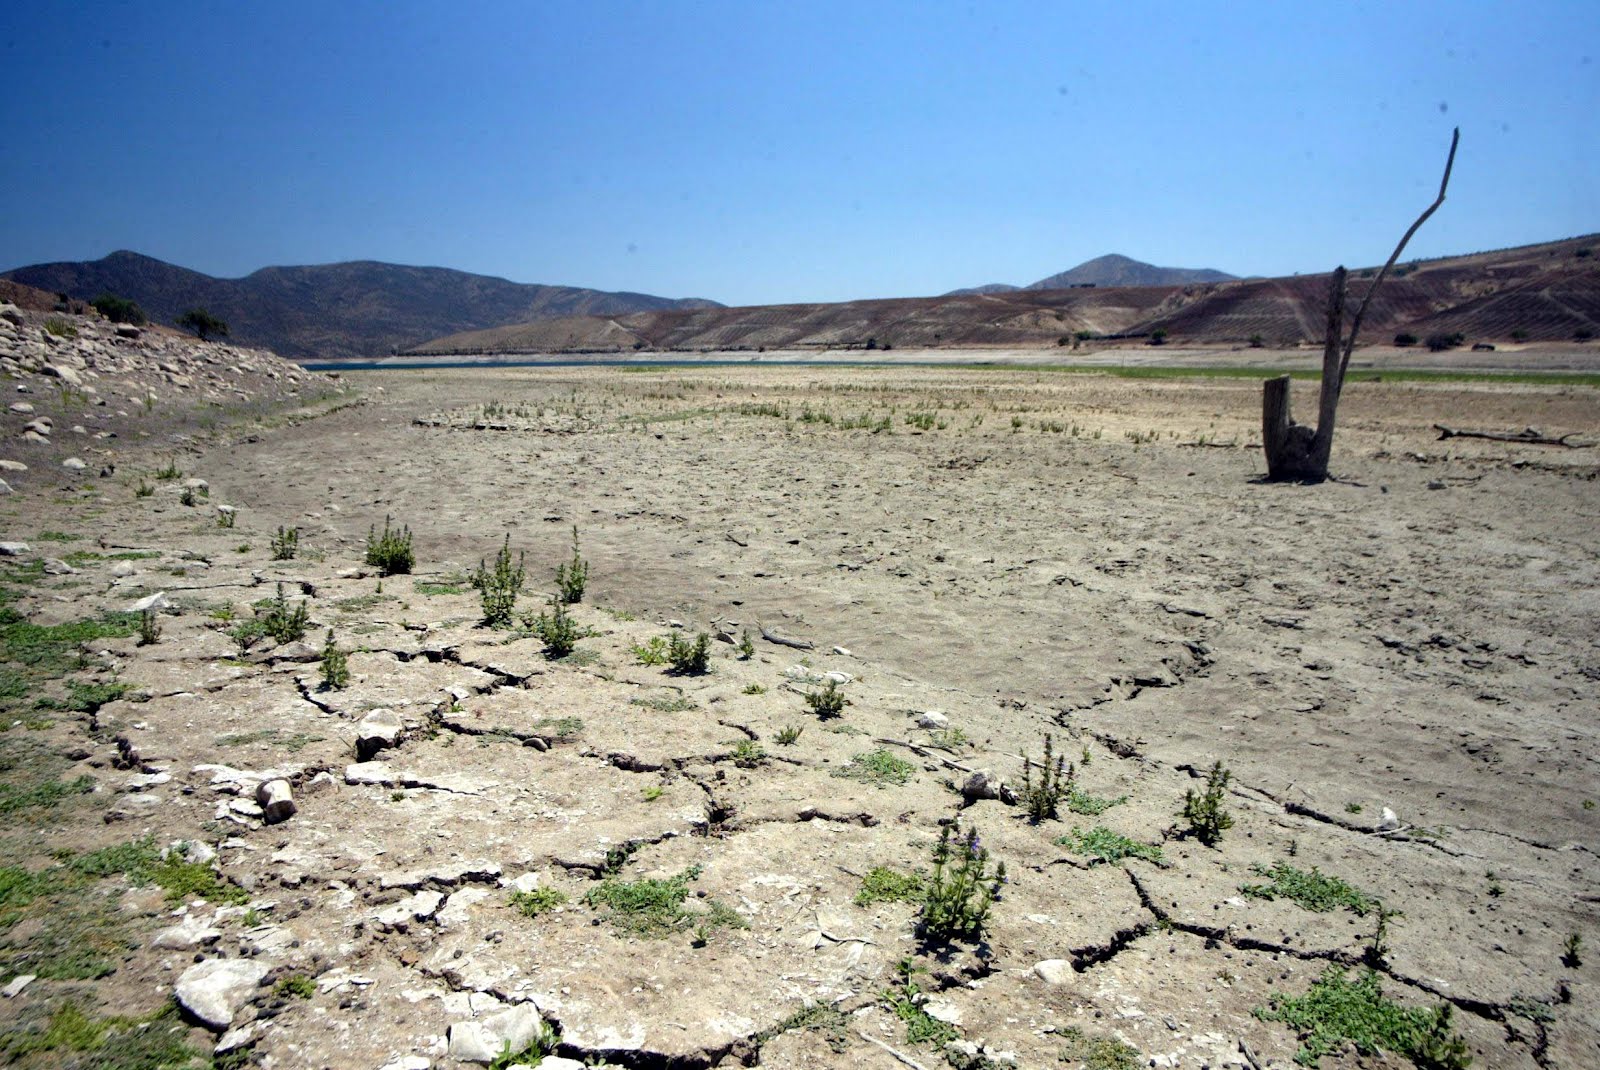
1365 644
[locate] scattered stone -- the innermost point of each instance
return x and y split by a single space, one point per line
199 486
213 992
12 466
6 488
74 464
42 426
142 781
985 785
123 569
14 549
1390 822
837 677
155 603
22 407
378 730
418 907
933 719
416 1062
276 801
54 566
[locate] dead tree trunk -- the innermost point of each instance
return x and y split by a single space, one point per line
1295 451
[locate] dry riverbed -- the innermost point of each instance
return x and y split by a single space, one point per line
1398 669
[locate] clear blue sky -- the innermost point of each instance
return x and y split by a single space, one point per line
759 152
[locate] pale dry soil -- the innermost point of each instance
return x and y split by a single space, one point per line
1025 552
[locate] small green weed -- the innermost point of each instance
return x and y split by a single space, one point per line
1338 1011
297 985
532 1054
788 735
1103 845
435 589
753 689
498 587
1314 891
652 652
831 1022
689 658
149 627
1080 802
905 1000
665 703
1098 1053
335 667
1045 786
885 885
170 470
653 907
1571 951
538 901
283 622
747 754
556 629
827 702
880 768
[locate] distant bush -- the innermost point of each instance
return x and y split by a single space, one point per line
60 328
120 310
1158 337
1405 338
1519 335
1439 342
1584 253
202 323
390 552
1583 334
1256 341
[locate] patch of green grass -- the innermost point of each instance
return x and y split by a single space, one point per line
1103 845
1081 802
665 703
562 728
753 689
652 907
905 1000
361 603
52 649
880 768
885 885
157 1041
1314 891
831 1022
1337 1011
57 536
1098 1053
432 589
297 985
14 798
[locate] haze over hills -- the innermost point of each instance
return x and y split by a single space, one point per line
333 311
1113 269
1543 293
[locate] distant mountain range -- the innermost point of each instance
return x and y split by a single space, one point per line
1535 293
331 311
1113 269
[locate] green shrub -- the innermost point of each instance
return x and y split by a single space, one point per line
1103 845
498 589
1203 812
652 652
285 544
689 659
532 904
1043 792
149 627
880 768
1438 342
60 328
906 1001
390 553
963 887
335 665
885 885
1313 891
202 323
283 622
120 310
555 628
1405 338
572 577
828 702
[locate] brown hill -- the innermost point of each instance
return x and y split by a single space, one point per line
1547 292
331 311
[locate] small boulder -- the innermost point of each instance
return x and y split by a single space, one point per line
276 801
378 731
74 464
213 992
933 719
482 1041
14 549
1053 971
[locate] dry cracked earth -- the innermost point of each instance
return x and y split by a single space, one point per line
491 850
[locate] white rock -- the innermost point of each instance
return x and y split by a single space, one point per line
418 907
214 991
1389 822
14 549
933 720
123 569
483 1041
374 774
142 781
12 466
42 426
188 933
6 488
1054 971
841 651
74 464
155 603
21 407
276 800
837 677
54 566
559 1062
378 730
15 986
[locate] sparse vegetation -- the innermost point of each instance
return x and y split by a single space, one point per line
747 754
1098 1053
788 735
149 627
1203 811
202 324
1571 951
283 622
390 553
652 652
1339 1011
555 628
905 1000
120 309
1440 341
653 907
963 887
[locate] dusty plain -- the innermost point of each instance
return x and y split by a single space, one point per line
1023 552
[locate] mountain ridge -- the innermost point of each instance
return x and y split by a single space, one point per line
349 309
1112 269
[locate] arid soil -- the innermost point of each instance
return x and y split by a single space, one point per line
1398 668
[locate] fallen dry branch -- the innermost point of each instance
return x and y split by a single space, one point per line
783 640
1527 436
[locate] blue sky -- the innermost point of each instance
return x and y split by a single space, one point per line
763 152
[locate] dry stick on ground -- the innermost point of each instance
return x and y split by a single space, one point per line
1295 451
1527 436
783 640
